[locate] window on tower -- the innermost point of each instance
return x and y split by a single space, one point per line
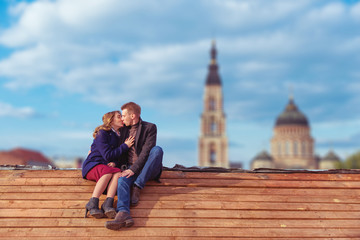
212 105
213 126
212 154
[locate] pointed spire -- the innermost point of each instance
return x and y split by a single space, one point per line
291 94
213 77
213 53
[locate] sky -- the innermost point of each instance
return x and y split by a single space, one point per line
64 63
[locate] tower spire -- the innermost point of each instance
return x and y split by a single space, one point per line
213 52
213 77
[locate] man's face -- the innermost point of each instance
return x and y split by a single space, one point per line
126 117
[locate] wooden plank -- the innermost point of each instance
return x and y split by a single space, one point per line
262 183
271 206
314 175
169 190
46 196
187 213
45 181
176 238
245 191
40 173
192 183
247 206
48 189
189 197
251 198
321 175
120 237
181 222
185 232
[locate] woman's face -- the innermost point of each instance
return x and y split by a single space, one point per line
117 122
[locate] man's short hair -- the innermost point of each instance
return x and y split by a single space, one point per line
132 108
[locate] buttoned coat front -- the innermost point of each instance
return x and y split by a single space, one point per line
105 148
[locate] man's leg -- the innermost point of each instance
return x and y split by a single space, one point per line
152 168
123 193
122 218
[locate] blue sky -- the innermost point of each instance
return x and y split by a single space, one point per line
65 63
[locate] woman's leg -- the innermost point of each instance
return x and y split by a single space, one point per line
113 185
107 206
93 204
101 185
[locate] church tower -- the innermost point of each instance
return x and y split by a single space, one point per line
213 143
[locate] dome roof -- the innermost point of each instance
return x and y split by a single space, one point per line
291 116
263 156
331 156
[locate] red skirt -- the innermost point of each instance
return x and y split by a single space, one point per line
100 170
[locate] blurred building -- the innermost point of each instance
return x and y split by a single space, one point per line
213 142
292 146
263 160
67 162
329 161
21 156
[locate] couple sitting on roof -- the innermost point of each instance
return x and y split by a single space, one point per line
123 157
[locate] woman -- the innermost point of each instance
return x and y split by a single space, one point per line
99 166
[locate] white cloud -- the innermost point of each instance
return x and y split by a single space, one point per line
351 45
355 11
88 71
7 110
260 67
265 45
254 13
330 13
67 20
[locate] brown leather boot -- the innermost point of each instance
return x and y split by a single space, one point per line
135 195
93 207
107 207
122 219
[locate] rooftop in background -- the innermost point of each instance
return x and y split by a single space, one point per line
22 156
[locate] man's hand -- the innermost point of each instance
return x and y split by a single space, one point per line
127 173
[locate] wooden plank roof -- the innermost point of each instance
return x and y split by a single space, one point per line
188 204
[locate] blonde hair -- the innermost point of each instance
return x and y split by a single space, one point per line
107 120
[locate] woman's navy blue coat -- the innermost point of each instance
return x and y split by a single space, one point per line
105 148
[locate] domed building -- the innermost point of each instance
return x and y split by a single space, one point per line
330 161
292 146
262 160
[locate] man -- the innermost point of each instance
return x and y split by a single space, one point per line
144 162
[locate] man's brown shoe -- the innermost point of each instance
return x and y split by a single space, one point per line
135 195
122 219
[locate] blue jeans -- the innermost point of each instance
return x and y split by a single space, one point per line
152 170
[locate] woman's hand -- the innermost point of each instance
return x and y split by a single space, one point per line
130 141
111 164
